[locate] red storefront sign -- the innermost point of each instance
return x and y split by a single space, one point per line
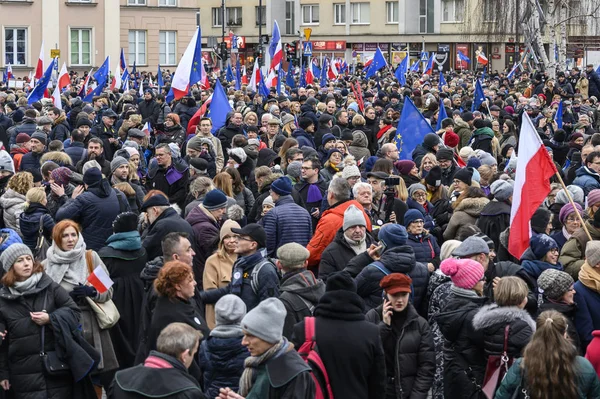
322 45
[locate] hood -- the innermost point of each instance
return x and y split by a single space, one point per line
535 267
459 123
11 198
491 315
305 285
307 108
484 131
584 170
399 259
495 208
472 206
299 132
359 139
150 271
224 353
454 315
200 215
60 158
265 157
13 238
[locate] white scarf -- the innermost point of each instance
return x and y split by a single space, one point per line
69 266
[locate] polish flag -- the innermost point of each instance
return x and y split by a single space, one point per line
255 79
532 185
275 48
116 80
100 280
30 83
271 80
62 82
244 76
482 59
9 73
195 120
310 76
147 129
181 81
39 68
332 72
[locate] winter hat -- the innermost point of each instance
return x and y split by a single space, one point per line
195 143
464 273
414 188
431 140
294 169
340 281
540 244
487 159
447 248
353 171
40 136
89 165
226 228
269 201
592 253
451 139
501 190
124 222
61 176
471 246
554 283
576 193
593 197
474 162
229 312
214 199
23 138
411 215
6 162
266 320
396 283
116 162
327 137
304 122
505 149
568 209
434 177
444 154
404 166
12 253
238 155
175 150
467 116
540 220
292 255
84 122
353 217
331 152
393 235
132 151
465 175
92 177
155 200
282 186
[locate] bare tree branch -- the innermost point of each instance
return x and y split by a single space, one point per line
592 14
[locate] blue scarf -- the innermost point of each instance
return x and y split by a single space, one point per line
240 268
127 241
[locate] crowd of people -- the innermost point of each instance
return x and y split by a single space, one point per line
302 220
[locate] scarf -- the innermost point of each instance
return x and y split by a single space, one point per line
463 292
357 246
590 277
253 362
69 266
239 270
23 287
126 241
566 233
314 194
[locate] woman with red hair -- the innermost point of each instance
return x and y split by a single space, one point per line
172 132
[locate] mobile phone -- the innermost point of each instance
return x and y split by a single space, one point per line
313 209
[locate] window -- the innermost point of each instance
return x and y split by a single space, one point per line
167 3
426 17
339 14
15 46
290 20
488 11
137 47
310 14
361 13
80 1
452 10
391 8
81 46
136 2
261 15
216 17
167 47
234 16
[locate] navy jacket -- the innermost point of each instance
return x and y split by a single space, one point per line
286 223
587 315
168 221
76 151
31 160
29 222
28 126
304 139
426 248
222 362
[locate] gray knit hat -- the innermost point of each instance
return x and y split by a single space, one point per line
351 171
266 320
230 309
554 283
353 217
40 136
12 253
116 162
292 255
294 169
501 190
592 253
414 187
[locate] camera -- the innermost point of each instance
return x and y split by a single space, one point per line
392 181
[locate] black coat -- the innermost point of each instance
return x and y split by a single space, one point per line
464 356
337 255
300 293
410 344
168 222
149 111
349 345
494 219
105 133
29 222
156 382
20 361
492 321
31 160
399 259
124 268
225 134
222 363
173 181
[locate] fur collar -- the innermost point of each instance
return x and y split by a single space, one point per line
490 315
472 206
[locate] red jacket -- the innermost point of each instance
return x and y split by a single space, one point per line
593 351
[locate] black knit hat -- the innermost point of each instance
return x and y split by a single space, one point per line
444 154
431 140
124 222
434 177
464 175
340 281
540 220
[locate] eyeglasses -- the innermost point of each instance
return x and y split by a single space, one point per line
249 239
419 195
572 219
554 250
417 222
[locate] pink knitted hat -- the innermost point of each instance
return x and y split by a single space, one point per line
464 273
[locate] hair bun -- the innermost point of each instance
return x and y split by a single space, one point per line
449 267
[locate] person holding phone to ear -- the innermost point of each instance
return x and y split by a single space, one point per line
407 341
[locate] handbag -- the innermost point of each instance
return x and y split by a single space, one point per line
53 365
42 245
107 313
497 367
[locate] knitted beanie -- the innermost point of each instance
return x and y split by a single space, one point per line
12 253
282 186
352 171
540 245
404 166
554 283
61 176
464 273
593 197
501 190
266 320
567 210
215 199
411 215
92 177
414 188
353 217
230 309
294 169
393 235
592 253
116 162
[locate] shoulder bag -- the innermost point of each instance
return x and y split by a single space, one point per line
107 313
42 245
497 367
53 365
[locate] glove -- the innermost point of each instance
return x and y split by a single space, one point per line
81 291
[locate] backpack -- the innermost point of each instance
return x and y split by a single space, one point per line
377 264
254 274
310 353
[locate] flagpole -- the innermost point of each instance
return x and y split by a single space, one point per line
562 183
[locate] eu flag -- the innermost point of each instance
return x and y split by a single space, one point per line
197 72
442 81
101 77
302 79
238 75
441 116
478 97
219 107
289 78
159 80
378 63
559 115
401 71
229 73
38 92
411 130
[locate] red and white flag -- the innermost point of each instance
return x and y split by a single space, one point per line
255 78
482 59
100 280
39 67
532 185
62 82
147 129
